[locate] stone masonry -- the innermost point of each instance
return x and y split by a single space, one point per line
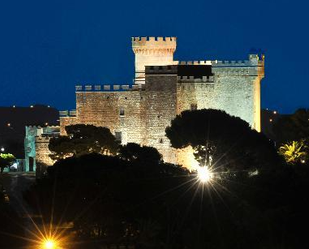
163 88
36 146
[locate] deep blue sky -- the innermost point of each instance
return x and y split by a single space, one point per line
47 47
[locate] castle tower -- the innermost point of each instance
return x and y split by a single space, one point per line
152 51
260 64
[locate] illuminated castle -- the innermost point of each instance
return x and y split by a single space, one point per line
163 88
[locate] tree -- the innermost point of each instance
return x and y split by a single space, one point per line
113 202
143 154
6 160
105 196
292 127
294 152
83 139
226 141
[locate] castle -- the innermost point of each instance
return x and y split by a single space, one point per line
162 89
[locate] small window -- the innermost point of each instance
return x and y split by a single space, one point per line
193 107
161 140
121 112
118 136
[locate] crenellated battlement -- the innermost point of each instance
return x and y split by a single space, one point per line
195 87
154 39
161 69
206 79
154 45
39 127
67 113
194 62
106 88
254 60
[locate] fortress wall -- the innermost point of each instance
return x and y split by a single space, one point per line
200 94
236 96
233 94
66 121
203 95
132 124
160 109
98 108
103 109
236 93
257 103
42 151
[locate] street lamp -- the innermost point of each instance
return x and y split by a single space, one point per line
204 174
49 244
2 149
50 239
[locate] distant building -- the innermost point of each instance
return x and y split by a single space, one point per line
163 88
36 146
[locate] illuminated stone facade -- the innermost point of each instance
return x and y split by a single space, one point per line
36 146
163 88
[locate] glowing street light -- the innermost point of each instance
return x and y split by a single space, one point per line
50 239
2 149
204 174
49 244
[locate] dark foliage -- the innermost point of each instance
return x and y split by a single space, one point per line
233 144
10 225
96 192
136 199
114 201
83 139
292 127
140 154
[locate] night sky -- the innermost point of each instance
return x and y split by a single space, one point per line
47 47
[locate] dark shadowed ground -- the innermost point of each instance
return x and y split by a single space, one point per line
21 215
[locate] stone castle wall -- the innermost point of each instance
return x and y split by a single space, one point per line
120 111
36 145
161 102
42 151
198 92
66 121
